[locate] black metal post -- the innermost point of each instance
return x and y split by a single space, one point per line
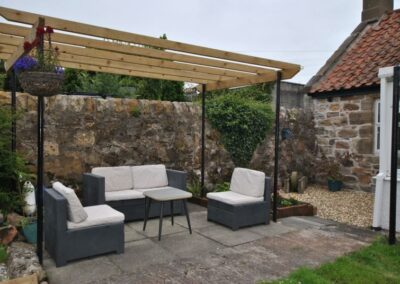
13 111
393 165
39 190
203 134
276 162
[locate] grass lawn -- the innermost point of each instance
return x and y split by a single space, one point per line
377 263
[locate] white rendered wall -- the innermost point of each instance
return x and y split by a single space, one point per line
382 188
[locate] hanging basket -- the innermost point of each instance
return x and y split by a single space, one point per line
44 84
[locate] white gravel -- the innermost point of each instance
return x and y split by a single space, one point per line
345 206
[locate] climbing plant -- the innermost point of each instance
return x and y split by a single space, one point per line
242 122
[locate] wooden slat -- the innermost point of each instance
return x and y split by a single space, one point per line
31 279
111 70
135 67
76 57
39 22
244 81
71 26
140 51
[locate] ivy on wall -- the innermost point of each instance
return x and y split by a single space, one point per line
242 121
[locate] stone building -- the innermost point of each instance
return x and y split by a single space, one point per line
346 93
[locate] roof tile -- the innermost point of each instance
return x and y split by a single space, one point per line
377 46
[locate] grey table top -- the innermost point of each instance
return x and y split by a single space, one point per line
167 194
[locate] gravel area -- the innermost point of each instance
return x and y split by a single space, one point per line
346 206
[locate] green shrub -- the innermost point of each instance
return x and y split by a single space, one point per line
195 187
221 187
12 168
3 253
242 122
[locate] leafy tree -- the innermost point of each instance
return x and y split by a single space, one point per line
72 80
123 86
260 92
153 89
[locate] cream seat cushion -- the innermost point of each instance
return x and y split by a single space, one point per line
76 213
233 198
149 176
123 195
248 182
116 178
98 215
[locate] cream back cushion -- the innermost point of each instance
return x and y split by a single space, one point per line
116 178
248 182
149 176
76 213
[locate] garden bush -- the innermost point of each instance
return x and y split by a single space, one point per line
243 124
12 168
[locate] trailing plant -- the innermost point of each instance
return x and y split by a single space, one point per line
286 202
221 187
13 172
135 111
43 59
242 122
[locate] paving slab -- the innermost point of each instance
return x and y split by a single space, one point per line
197 220
184 245
228 237
140 254
152 227
84 271
216 254
132 235
273 229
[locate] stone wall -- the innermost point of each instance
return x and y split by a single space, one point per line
344 125
85 132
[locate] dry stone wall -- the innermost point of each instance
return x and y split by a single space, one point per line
85 132
344 125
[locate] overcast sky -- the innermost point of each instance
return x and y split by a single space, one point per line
305 32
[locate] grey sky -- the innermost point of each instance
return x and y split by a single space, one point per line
306 32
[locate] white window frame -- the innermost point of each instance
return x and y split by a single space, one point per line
377 125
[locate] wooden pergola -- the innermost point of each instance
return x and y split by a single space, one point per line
92 48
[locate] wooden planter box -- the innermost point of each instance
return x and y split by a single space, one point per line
199 201
297 210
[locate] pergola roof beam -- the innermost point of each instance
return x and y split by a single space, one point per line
91 30
139 51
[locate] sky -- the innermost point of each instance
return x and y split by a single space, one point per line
305 32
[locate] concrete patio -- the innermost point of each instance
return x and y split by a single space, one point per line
214 254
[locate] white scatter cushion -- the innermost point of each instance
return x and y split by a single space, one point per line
76 213
233 198
116 178
248 182
98 215
149 176
123 195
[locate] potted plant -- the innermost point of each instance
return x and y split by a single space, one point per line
334 176
29 229
40 73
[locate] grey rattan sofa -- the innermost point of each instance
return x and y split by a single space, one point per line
65 241
246 203
104 186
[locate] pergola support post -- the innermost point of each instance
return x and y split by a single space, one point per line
203 134
39 190
276 162
393 165
13 111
